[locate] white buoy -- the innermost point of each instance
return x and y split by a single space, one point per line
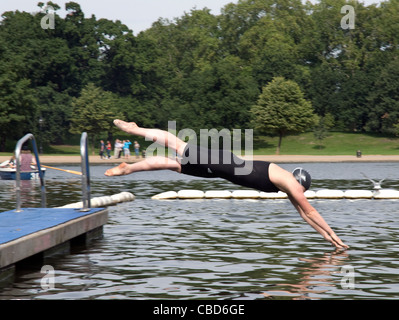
245 194
127 196
104 201
329 194
253 194
116 198
95 203
273 195
223 194
190 194
101 201
310 194
386 194
165 195
107 200
75 205
358 194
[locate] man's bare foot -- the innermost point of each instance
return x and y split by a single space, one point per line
117 171
129 127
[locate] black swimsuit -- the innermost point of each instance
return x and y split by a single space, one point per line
207 163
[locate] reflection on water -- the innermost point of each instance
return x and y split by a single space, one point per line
220 249
316 277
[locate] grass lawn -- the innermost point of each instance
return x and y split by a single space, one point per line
338 143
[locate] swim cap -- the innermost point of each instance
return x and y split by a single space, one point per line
303 177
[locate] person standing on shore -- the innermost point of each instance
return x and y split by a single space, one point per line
126 148
137 149
118 149
108 149
102 149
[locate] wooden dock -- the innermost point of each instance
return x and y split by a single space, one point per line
37 230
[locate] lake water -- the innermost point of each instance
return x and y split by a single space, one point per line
220 249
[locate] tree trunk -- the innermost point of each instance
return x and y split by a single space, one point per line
93 143
279 143
3 143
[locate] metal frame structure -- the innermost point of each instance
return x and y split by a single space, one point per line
18 148
84 164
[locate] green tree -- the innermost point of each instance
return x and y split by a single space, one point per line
93 112
17 102
175 60
221 95
345 62
202 69
269 51
272 43
322 128
282 109
55 109
384 100
16 105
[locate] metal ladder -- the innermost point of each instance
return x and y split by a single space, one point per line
84 165
85 173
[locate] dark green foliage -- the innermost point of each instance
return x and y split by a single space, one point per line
201 70
282 109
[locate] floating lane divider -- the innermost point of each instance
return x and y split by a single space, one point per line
104 201
358 194
330 194
386 194
223 194
253 194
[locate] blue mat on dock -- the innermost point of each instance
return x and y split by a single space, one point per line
14 225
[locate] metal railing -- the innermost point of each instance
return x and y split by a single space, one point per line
84 164
85 173
18 148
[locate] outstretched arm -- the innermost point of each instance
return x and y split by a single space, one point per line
315 220
286 182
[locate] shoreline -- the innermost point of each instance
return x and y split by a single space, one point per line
44 159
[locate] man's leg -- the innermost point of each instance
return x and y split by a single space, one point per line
148 164
161 137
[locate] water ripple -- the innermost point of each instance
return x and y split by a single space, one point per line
219 249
